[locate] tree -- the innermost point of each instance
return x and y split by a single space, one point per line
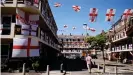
98 42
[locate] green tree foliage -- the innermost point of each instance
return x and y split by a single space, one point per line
97 41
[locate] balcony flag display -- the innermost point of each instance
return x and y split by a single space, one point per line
36 3
127 13
110 14
93 14
29 23
76 8
57 5
25 47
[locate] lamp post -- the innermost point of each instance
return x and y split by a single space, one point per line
85 28
86 32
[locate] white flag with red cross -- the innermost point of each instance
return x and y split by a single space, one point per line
110 14
74 28
25 47
127 13
92 29
29 23
93 14
36 3
57 4
76 8
65 26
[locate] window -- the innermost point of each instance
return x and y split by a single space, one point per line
6 21
78 39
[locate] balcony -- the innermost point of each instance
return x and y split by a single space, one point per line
129 31
23 4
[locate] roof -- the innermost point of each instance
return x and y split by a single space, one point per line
71 36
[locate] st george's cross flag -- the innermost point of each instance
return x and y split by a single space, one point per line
110 14
93 14
57 4
28 23
25 47
36 3
65 26
92 29
127 13
76 8
74 28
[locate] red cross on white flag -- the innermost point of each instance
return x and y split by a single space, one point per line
36 3
92 29
127 13
57 4
76 8
74 28
93 14
25 47
110 14
65 26
29 23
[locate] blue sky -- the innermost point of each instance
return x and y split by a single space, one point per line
65 15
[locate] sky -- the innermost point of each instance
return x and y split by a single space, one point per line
65 15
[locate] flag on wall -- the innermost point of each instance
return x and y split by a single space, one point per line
29 23
93 14
57 5
25 47
36 3
127 13
76 8
110 14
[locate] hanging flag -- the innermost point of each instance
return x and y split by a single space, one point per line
92 29
127 13
93 14
36 3
110 14
76 8
57 5
65 26
29 23
74 28
25 47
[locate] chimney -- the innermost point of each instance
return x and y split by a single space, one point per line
62 34
82 34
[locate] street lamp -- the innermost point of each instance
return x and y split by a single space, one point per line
85 28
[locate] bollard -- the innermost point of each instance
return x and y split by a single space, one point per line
47 69
115 70
61 68
24 69
98 66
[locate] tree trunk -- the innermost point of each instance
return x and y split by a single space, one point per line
102 48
